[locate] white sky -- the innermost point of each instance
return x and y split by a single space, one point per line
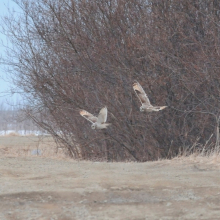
5 84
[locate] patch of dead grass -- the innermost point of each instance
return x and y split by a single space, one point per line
12 134
23 146
209 158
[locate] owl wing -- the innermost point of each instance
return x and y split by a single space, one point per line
139 91
102 117
88 116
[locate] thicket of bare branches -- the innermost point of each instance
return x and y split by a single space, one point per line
71 54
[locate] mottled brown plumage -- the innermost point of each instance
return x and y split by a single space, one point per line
146 105
97 122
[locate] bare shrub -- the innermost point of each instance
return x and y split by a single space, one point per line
12 134
69 55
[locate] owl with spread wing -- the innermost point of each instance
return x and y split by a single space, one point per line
142 96
97 122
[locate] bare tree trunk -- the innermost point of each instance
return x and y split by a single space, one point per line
217 133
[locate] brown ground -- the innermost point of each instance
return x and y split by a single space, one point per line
34 187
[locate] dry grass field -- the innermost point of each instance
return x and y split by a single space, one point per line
52 186
14 145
